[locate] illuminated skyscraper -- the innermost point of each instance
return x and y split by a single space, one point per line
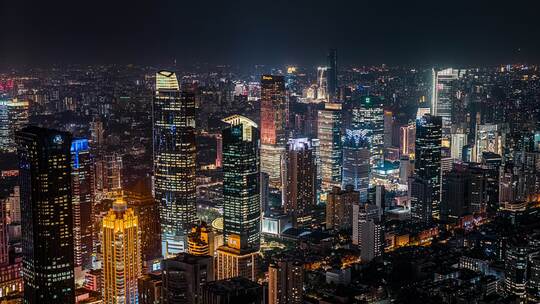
285 281
333 88
174 161
121 255
443 94
47 215
201 240
241 199
322 84
13 117
407 138
428 156
368 114
356 162
301 171
329 135
241 194
489 138
83 195
339 208
274 123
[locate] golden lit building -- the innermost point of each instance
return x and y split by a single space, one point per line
201 240
121 254
234 262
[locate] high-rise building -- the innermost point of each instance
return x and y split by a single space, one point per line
443 93
147 211
121 254
489 138
235 261
83 199
457 141
285 281
201 240
174 161
339 207
428 156
13 117
274 125
332 78
329 135
47 215
108 173
184 276
516 268
356 162
362 213
301 178
232 291
241 192
421 200
388 128
371 240
368 114
407 140
149 286
533 285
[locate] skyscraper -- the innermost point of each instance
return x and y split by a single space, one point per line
241 193
184 277
274 123
339 208
13 117
329 135
368 114
443 92
83 195
332 72
362 213
47 215
174 161
285 281
356 162
121 254
428 156
301 175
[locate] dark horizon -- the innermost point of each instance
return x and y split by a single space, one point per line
243 32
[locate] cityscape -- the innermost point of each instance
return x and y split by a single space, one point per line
325 181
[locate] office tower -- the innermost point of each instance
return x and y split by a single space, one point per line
47 215
443 94
407 140
97 137
285 281
533 285
428 157
301 179
149 286
201 240
83 199
108 173
368 114
274 124
421 194
241 192
371 240
121 250
174 161
356 162
322 84
516 268
232 291
5 194
13 117
291 81
235 261
184 276
388 128
457 142
339 208
219 152
362 213
455 195
146 209
332 78
329 135
492 163
489 138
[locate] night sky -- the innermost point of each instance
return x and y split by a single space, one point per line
269 32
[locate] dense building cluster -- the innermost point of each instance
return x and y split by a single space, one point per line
214 185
